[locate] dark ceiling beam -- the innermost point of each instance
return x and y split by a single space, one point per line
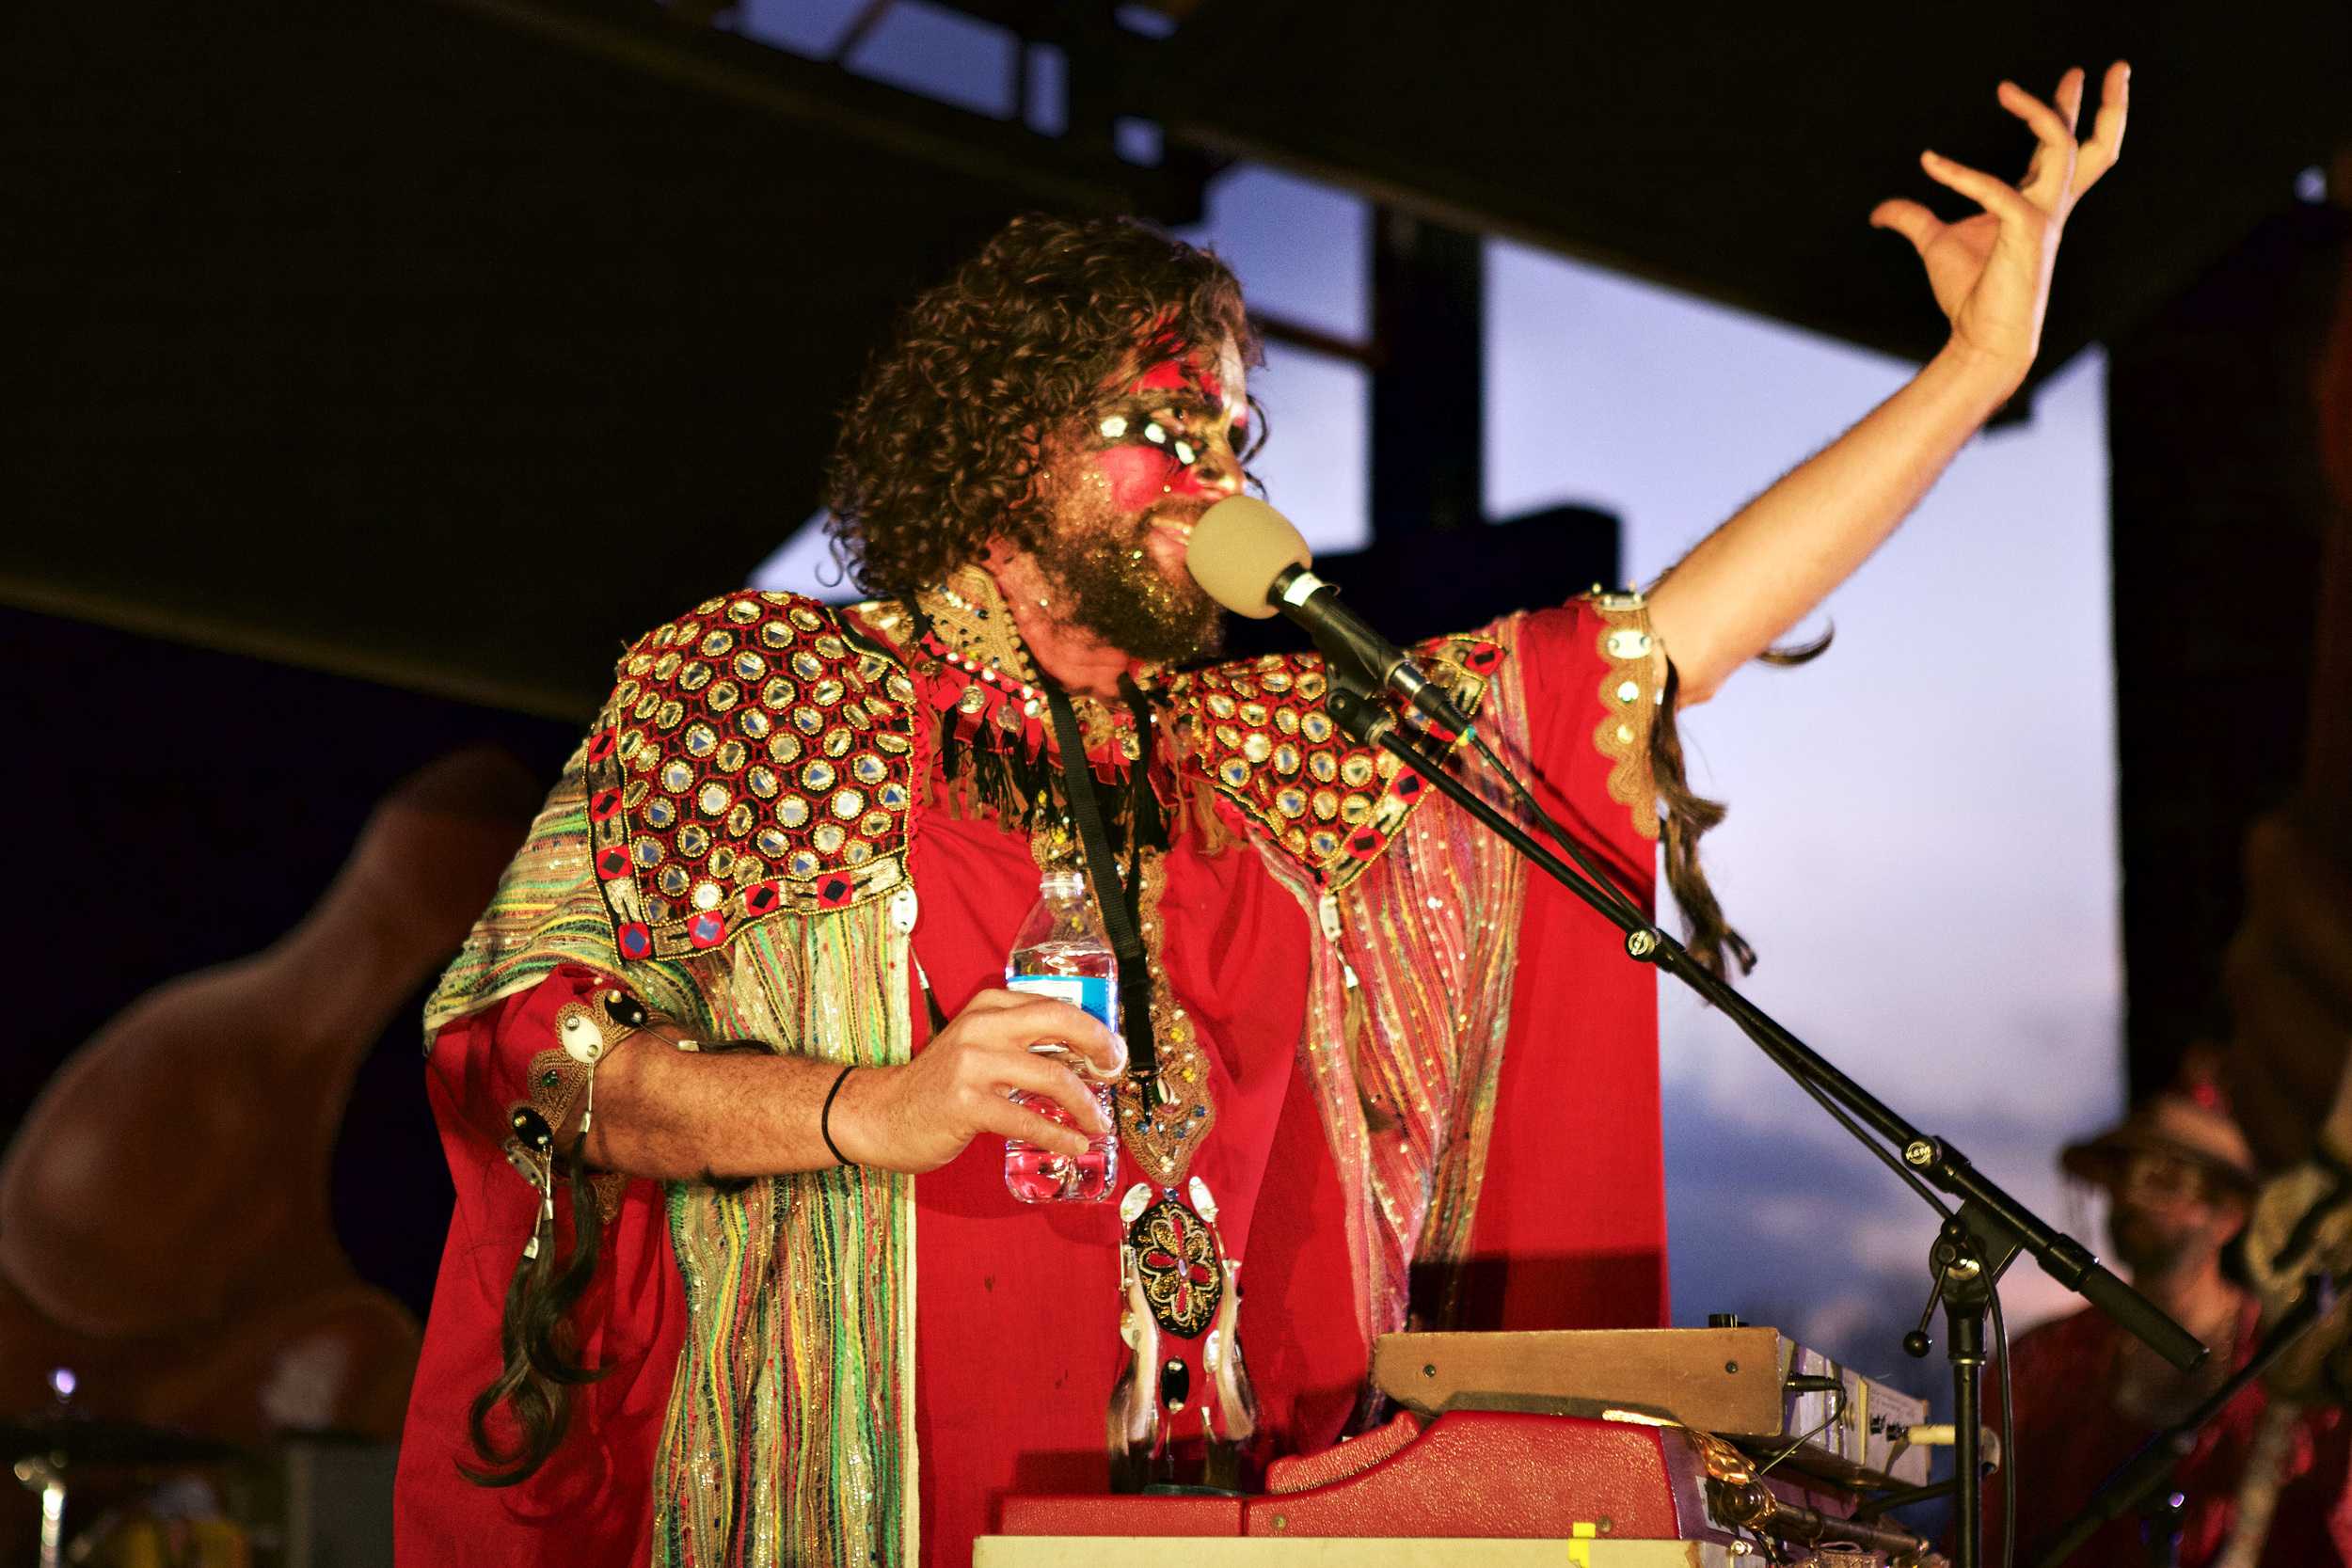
1429 393
1602 136
868 17
568 697
1297 334
1061 173
447 348
1492 211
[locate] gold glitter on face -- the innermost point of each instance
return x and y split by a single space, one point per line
1123 488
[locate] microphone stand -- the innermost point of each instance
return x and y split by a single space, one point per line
2138 1478
1976 1244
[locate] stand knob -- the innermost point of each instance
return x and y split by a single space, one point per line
1916 1344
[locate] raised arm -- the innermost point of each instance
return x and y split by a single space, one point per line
1759 574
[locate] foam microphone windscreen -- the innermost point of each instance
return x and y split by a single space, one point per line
1238 547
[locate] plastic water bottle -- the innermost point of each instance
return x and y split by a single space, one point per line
1062 953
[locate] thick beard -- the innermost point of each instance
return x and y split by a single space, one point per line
2147 1244
1109 589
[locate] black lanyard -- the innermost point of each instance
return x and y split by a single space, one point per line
1121 903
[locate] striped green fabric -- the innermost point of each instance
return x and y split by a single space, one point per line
790 1430
790 1434
548 911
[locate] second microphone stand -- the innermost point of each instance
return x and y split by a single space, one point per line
1975 1243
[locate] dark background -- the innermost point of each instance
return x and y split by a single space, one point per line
179 808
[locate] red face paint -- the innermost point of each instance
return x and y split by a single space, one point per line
1161 430
1188 482
1178 376
1168 376
1140 475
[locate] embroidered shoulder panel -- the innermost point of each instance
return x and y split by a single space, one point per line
757 755
1259 730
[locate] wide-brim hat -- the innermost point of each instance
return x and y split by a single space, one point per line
2174 1123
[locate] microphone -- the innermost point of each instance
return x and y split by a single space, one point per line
1251 559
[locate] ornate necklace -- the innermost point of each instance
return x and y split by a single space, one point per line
996 743
975 629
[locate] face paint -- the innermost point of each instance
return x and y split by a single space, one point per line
1168 376
1172 418
1140 469
1139 476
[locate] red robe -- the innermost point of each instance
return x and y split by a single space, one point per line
1016 1318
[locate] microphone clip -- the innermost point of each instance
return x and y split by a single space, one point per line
1356 706
1351 651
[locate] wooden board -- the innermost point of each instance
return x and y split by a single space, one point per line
1721 1380
1730 1382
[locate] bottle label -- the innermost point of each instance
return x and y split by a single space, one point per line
1088 993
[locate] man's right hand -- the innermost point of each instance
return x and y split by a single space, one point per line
919 1117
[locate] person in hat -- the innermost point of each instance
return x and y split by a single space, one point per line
2179 1181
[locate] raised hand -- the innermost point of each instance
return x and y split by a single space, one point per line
919 1117
1991 271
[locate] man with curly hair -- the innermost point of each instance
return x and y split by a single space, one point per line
739 997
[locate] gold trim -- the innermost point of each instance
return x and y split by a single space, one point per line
1163 1143
558 1080
1629 695
969 615
972 620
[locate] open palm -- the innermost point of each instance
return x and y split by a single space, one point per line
1991 271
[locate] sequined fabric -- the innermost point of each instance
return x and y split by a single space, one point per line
991 735
1432 935
1410 996
1261 731
791 1433
757 755
1178 1265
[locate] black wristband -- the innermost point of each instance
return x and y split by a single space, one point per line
824 1117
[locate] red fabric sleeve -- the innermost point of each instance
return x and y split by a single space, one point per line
591 1504
480 1065
1571 1224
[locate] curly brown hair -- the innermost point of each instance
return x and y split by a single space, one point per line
938 452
